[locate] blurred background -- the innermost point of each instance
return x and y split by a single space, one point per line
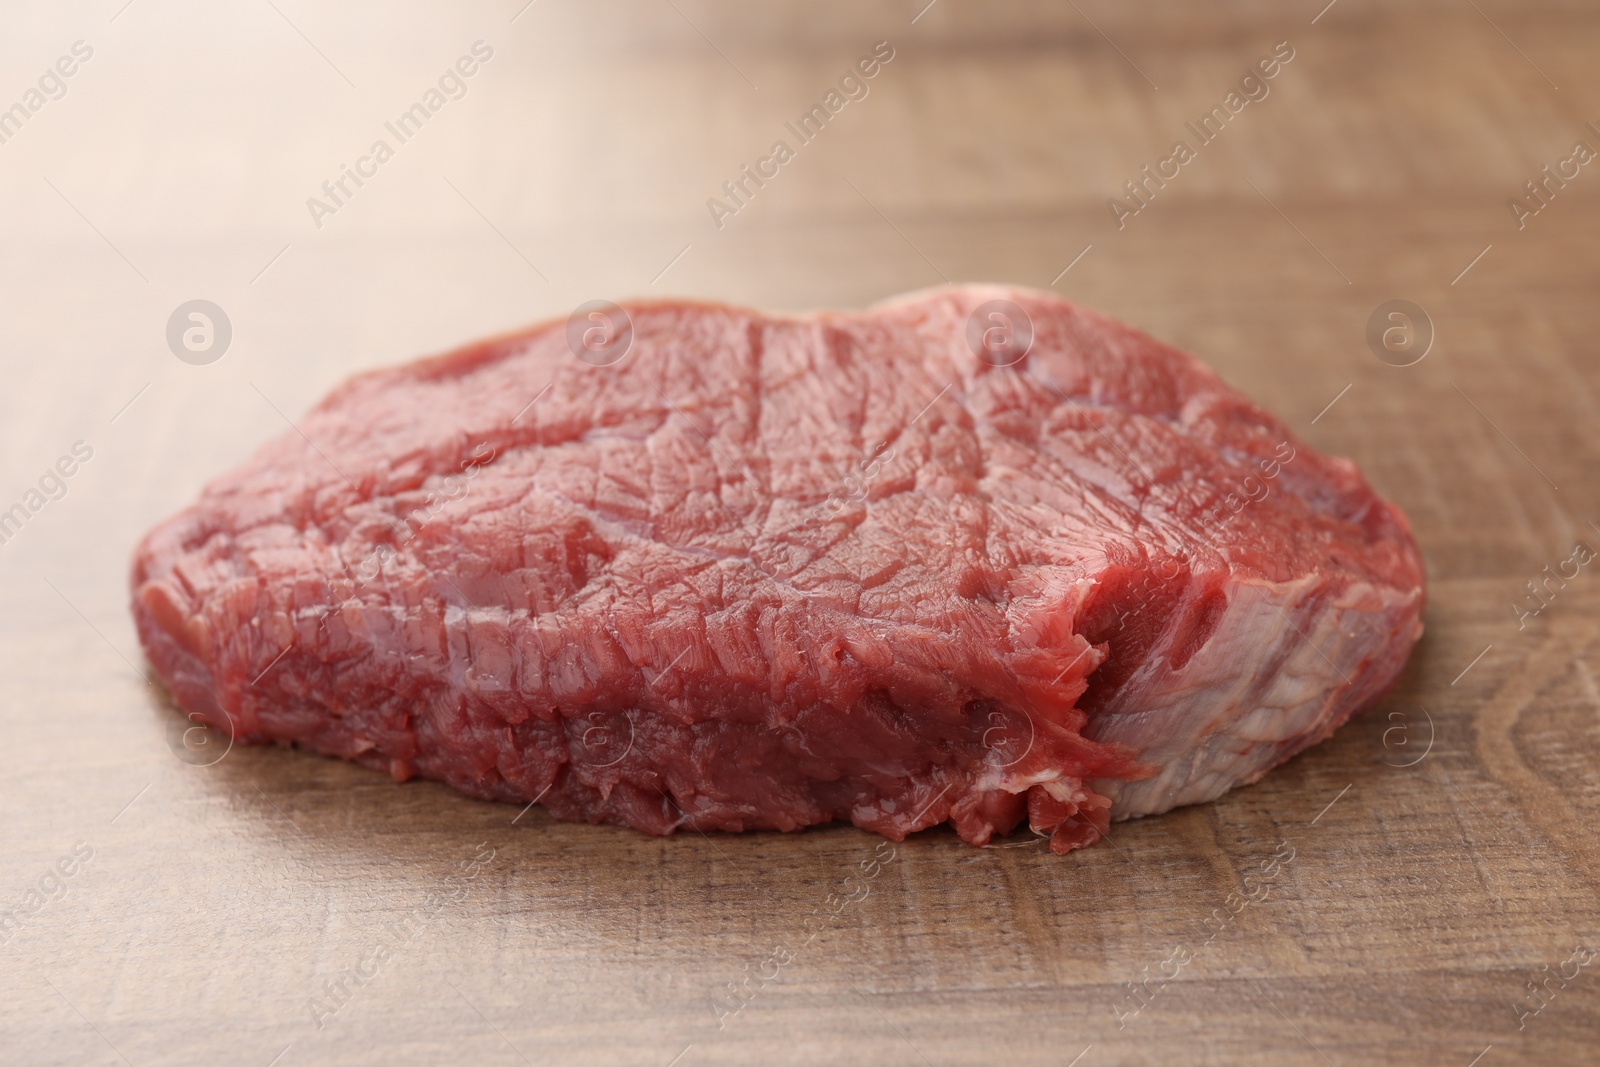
1383 160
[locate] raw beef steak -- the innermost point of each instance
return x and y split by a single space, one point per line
974 555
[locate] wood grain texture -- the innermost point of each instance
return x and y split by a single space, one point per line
1444 847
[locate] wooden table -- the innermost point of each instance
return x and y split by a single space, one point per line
1444 853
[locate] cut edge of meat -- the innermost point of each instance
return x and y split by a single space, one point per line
1236 726
979 803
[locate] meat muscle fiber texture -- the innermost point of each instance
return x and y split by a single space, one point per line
769 571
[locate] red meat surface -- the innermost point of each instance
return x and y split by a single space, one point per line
770 571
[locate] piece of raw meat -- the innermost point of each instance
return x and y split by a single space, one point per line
974 555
